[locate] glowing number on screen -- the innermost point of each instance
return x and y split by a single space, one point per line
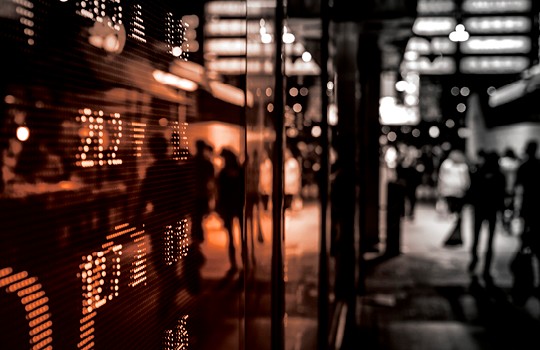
138 29
177 338
35 302
100 137
100 277
176 241
108 32
99 286
175 37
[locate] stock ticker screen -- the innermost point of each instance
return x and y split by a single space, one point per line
94 251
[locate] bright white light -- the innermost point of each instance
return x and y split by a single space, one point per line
434 132
506 93
493 64
442 6
391 156
401 85
266 38
411 55
288 38
460 34
111 43
332 114
330 85
499 24
391 113
176 51
411 100
306 56
496 6
316 131
433 25
174 80
497 44
23 133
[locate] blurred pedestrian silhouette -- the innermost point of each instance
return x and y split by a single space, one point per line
292 179
426 163
527 188
410 177
204 187
265 179
509 163
230 202
253 198
453 183
163 206
486 194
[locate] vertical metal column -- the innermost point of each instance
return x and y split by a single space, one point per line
367 133
278 282
346 268
323 283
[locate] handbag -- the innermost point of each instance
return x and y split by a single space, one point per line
522 270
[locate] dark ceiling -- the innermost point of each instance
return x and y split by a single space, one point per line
390 20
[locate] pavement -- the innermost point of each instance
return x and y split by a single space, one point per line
425 299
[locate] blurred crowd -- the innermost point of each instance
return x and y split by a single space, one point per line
502 189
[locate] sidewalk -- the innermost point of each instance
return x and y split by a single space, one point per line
424 298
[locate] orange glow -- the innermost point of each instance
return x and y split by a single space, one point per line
35 304
19 285
37 312
174 80
39 320
23 133
13 278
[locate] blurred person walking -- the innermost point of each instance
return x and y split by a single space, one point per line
453 183
230 202
509 163
265 179
163 206
408 174
527 189
292 179
253 198
486 194
204 187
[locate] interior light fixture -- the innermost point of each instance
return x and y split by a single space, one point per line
174 80
460 34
